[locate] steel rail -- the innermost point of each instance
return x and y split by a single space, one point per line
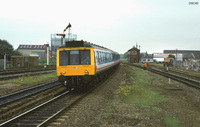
51 117
180 72
28 68
73 103
18 75
66 107
56 113
31 110
27 92
179 78
182 79
23 71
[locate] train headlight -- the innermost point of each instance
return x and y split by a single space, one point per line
86 72
63 72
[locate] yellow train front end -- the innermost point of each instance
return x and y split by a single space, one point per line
75 65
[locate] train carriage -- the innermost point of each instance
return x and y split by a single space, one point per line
80 63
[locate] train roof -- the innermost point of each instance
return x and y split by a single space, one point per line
82 43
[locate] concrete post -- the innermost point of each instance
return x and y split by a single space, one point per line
47 55
5 61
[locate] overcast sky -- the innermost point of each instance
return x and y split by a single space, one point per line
155 25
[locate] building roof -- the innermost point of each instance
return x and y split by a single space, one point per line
134 49
192 54
32 47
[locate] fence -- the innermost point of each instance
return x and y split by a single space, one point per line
192 65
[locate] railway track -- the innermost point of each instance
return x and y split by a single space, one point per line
39 112
195 76
21 101
23 71
45 113
183 79
9 98
24 74
17 69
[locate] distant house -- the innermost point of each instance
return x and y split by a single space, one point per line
33 50
159 57
133 55
145 57
187 54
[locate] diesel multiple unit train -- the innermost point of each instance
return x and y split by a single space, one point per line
81 63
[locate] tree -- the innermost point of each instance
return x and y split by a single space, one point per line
126 54
6 47
17 53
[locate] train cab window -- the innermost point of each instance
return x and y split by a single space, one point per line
63 58
74 57
85 57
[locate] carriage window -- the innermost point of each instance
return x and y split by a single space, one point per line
85 56
74 57
63 58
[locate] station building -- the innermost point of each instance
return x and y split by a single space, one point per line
33 50
133 55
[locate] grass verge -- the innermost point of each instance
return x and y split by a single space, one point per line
170 121
23 80
134 92
136 101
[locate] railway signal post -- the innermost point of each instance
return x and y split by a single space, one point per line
68 27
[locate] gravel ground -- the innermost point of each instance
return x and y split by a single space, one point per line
102 109
95 104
